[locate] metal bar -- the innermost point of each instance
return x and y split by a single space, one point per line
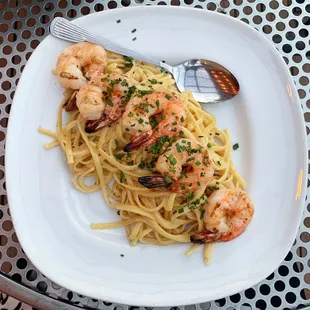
31 297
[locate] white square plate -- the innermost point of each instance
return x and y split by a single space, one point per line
52 218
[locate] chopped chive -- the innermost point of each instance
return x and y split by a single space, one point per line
119 156
134 39
181 210
174 212
168 180
116 143
130 114
118 21
213 188
190 194
167 96
217 133
141 93
133 30
197 163
124 83
129 63
172 160
178 146
142 165
122 255
209 145
153 81
202 212
109 102
235 146
198 183
122 177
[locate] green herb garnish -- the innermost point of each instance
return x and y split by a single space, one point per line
153 81
124 83
235 146
122 177
167 180
119 156
129 61
142 165
202 212
109 102
172 159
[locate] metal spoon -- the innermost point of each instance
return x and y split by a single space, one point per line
207 80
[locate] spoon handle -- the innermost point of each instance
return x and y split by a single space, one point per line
65 30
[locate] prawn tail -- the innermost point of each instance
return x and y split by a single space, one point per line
142 140
206 236
93 125
70 104
154 182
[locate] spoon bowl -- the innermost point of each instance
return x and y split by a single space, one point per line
208 81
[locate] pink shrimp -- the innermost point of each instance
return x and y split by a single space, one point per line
140 109
228 214
103 99
185 166
78 62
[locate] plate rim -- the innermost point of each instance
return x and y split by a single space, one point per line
130 297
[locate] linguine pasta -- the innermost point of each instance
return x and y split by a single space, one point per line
149 216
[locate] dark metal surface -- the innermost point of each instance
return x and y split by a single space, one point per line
23 24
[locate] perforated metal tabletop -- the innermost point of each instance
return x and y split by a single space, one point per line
23 24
